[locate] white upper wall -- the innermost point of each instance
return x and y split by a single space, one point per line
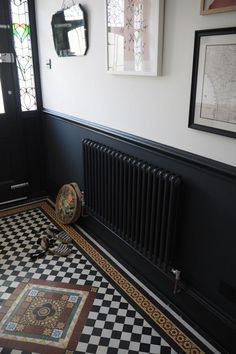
155 108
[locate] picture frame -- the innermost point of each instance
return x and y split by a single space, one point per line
134 31
209 7
213 89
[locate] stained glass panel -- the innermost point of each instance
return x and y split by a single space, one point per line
2 109
23 49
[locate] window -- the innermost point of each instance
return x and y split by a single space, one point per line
23 52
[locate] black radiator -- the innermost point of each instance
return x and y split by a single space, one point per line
136 200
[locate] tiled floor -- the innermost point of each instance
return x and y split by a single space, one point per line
114 325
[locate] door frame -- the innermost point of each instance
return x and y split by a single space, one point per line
12 103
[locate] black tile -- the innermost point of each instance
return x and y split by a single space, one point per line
131 313
112 351
91 348
155 340
104 341
165 350
84 338
95 308
88 283
124 305
109 325
147 330
144 347
127 328
124 344
83 277
120 319
116 334
138 321
102 316
44 276
136 337
90 322
113 311
97 332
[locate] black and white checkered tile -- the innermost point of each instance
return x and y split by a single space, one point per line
113 325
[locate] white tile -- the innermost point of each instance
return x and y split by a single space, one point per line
94 340
82 347
106 333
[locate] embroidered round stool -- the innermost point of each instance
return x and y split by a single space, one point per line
69 203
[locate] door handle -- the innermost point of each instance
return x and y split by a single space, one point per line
6 58
4 26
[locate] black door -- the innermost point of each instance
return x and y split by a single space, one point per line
13 172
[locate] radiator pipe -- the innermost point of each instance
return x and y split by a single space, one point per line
176 272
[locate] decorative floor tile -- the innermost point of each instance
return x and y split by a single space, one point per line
122 318
42 314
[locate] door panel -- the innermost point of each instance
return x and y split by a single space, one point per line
12 155
6 158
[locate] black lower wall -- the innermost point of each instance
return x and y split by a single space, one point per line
206 242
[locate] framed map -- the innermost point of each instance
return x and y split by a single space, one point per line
213 91
134 36
215 6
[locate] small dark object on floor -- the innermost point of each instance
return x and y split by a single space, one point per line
61 250
47 243
58 250
50 241
52 231
61 236
38 254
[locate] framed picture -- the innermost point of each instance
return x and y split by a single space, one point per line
134 36
213 6
213 91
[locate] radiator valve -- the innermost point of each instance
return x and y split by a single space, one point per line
82 199
176 273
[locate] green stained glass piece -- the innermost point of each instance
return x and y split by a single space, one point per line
21 31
